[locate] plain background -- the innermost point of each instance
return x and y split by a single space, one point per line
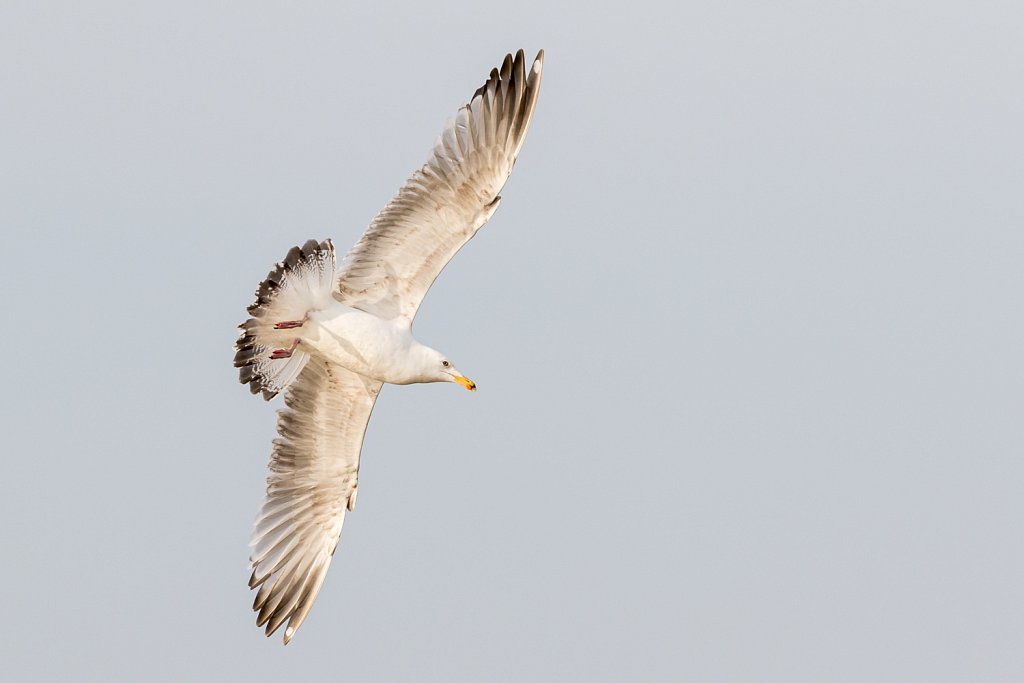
747 330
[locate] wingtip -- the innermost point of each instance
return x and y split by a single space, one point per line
538 62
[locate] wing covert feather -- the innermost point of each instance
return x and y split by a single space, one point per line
444 203
313 479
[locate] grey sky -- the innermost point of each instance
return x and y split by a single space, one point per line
747 331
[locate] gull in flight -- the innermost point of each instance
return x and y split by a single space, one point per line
330 337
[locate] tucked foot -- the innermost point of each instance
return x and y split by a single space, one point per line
278 354
290 324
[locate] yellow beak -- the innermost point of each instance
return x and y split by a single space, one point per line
466 382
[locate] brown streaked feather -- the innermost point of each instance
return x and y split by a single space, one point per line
440 208
313 475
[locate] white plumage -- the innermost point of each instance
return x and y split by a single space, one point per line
330 338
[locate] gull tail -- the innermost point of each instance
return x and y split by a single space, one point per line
268 355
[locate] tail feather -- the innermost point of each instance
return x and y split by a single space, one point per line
302 282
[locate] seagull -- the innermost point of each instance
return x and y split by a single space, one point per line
330 337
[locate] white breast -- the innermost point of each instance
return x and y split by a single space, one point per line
359 342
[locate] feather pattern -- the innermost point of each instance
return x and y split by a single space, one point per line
313 480
440 208
303 280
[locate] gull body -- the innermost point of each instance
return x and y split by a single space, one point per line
384 350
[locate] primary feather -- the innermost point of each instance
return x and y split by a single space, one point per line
445 202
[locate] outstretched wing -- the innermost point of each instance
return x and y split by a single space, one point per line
388 272
312 482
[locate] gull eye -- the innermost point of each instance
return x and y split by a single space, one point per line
445 363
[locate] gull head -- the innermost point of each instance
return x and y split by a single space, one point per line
435 367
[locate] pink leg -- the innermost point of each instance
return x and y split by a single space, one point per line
291 324
278 354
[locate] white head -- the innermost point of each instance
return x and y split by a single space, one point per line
434 366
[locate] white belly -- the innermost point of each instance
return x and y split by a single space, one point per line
358 341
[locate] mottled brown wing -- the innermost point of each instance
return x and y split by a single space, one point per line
445 202
312 482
